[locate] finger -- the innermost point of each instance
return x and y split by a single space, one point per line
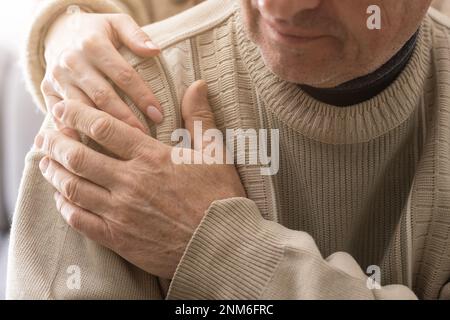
70 92
199 121
132 36
51 98
113 65
83 221
74 70
195 107
103 95
123 140
67 131
73 93
80 159
346 263
77 190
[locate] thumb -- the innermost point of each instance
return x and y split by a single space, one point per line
197 112
132 36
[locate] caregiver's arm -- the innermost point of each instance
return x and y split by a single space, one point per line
71 53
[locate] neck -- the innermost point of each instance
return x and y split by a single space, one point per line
364 88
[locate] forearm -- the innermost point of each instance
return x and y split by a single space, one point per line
236 254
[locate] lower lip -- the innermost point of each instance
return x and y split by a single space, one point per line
289 40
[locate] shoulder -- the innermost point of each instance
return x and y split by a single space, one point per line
203 18
190 23
178 63
170 74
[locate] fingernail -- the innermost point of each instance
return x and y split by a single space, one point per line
58 110
43 165
149 44
39 141
154 114
56 196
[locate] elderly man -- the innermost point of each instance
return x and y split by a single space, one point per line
361 103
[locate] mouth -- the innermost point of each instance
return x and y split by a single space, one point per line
289 36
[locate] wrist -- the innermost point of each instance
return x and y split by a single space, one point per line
57 31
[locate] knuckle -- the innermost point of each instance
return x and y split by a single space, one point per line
138 35
203 115
59 204
50 173
57 72
69 60
91 44
74 160
70 189
125 77
50 143
156 155
146 96
102 128
101 97
74 218
159 157
46 87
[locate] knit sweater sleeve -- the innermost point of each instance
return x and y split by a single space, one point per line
47 12
44 252
236 254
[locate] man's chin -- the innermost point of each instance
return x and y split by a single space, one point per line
299 73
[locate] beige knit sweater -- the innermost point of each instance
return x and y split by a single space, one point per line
371 180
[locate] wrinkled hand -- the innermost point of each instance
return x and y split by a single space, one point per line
143 207
81 52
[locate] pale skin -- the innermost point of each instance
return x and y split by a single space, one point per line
149 214
81 51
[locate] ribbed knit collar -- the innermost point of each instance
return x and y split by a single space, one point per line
368 86
335 125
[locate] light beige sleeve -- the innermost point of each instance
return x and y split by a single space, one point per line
48 11
49 260
236 254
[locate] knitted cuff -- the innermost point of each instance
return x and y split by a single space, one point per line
33 59
232 255
235 254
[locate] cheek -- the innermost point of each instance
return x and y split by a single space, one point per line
366 52
362 45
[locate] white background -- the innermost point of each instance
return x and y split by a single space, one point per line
15 18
